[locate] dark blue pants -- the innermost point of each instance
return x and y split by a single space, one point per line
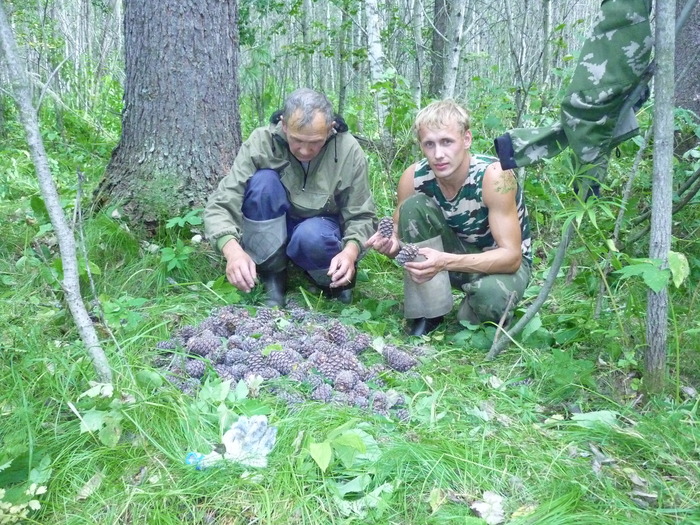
311 242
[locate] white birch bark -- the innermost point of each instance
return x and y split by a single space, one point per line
417 22
64 234
376 57
455 52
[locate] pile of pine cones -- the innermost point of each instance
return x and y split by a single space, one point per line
320 358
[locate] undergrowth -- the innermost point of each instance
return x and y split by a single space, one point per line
556 425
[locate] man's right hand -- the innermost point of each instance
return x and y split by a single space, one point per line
240 268
388 246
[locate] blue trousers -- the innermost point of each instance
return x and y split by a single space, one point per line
311 242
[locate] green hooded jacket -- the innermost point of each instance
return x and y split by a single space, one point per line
336 183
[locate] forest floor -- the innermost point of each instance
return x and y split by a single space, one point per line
554 431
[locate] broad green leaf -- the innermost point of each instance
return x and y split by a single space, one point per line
352 439
93 420
656 279
148 379
531 327
321 454
680 269
355 485
606 418
109 434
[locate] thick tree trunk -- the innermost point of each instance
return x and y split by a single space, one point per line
377 64
662 193
180 123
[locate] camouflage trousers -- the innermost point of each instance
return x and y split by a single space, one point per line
486 295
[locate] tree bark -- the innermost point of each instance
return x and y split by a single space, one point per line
64 234
180 123
441 18
459 13
687 60
417 23
662 192
377 64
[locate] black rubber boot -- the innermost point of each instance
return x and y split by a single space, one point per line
423 325
275 286
273 276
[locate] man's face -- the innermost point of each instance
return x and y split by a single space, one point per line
306 142
447 149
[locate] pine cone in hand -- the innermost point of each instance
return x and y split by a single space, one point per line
407 253
386 227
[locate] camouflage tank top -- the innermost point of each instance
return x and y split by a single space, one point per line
466 214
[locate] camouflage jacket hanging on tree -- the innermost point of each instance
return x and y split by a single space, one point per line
610 67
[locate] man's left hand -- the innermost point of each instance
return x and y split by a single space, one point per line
432 263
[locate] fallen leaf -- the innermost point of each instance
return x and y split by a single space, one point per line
90 487
490 509
436 499
634 477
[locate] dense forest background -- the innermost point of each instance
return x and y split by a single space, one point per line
141 108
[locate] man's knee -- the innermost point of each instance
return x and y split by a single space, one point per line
265 197
314 243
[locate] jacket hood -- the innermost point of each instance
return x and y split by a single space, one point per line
340 124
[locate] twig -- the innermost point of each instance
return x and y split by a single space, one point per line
509 305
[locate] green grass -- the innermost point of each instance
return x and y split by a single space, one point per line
530 426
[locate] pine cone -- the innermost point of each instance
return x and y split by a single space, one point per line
203 345
195 368
398 359
337 333
284 360
407 253
386 227
323 393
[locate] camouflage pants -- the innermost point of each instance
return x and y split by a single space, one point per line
487 295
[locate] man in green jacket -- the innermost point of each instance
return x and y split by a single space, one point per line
298 190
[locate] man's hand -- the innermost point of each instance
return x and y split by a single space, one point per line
388 246
240 268
342 267
425 268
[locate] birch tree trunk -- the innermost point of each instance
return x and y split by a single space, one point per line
452 66
64 234
546 30
417 22
376 58
306 61
662 194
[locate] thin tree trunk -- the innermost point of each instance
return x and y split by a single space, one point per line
546 29
341 65
662 191
452 67
417 19
440 24
376 58
66 241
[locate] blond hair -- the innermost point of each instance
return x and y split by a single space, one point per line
442 113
